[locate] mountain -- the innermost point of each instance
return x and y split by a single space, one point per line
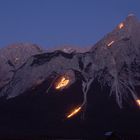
102 84
118 52
12 57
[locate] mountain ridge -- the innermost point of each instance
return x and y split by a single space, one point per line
104 83
102 56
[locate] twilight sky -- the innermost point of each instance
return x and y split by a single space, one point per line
60 22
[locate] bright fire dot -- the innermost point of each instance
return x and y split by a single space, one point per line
138 102
75 111
121 25
109 44
62 83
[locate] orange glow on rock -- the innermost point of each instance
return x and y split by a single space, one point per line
74 112
138 102
109 44
121 25
62 83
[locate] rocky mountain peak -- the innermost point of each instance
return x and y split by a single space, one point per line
14 56
118 51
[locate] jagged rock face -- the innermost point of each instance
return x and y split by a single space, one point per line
126 46
14 56
117 52
38 68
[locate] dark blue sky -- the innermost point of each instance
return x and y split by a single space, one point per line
60 22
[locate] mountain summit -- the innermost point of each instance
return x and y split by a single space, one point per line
14 56
118 52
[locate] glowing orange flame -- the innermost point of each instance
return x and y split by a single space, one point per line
74 112
62 83
121 25
109 44
138 102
